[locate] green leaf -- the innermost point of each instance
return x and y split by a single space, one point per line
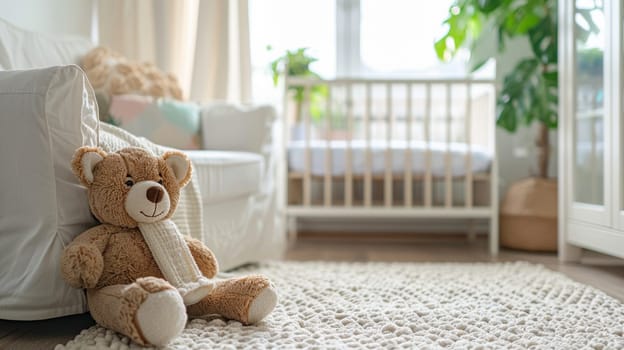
440 48
527 22
530 93
507 118
475 67
543 39
276 71
488 6
501 39
475 25
552 76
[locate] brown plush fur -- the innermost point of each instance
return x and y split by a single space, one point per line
113 261
112 74
222 301
107 192
115 306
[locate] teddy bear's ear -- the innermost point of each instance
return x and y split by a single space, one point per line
181 166
84 161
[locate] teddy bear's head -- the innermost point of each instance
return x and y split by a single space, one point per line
131 186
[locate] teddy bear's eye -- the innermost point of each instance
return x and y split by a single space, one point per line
160 181
129 182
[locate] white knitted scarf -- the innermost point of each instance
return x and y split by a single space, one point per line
175 260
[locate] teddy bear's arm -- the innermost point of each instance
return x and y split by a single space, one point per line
82 262
204 258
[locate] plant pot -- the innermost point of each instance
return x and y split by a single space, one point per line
528 215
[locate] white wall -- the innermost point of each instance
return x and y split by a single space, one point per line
517 153
58 17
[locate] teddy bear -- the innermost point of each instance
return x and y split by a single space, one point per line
112 74
143 279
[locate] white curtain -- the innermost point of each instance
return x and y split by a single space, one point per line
205 43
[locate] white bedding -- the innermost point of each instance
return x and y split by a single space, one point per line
481 158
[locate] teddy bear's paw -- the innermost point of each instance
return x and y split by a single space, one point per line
154 284
262 305
82 265
161 317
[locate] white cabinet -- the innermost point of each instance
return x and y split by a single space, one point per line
591 205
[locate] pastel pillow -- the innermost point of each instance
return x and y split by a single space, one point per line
46 115
238 128
163 121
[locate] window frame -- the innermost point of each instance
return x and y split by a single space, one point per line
348 61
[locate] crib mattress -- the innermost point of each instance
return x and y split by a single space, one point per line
481 158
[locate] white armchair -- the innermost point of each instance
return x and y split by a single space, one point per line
235 176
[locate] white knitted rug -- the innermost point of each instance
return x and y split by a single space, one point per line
381 305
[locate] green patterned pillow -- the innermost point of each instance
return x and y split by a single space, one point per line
164 121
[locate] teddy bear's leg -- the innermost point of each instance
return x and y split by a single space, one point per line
246 299
149 311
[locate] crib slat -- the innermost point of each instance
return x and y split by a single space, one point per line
348 190
388 158
407 182
448 180
284 172
307 180
468 161
368 178
327 181
428 193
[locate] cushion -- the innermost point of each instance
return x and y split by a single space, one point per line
163 121
112 74
46 114
238 213
22 49
238 128
226 175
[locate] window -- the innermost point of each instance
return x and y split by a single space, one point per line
350 38
287 25
392 38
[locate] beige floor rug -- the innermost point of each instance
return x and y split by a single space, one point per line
412 305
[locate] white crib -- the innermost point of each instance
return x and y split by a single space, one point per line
391 149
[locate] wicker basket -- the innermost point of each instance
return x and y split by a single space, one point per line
528 215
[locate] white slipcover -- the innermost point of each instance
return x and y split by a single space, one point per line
46 115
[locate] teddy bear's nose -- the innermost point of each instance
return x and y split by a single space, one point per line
154 194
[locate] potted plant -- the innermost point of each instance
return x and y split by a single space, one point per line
296 63
528 95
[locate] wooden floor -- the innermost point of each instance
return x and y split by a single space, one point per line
600 271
